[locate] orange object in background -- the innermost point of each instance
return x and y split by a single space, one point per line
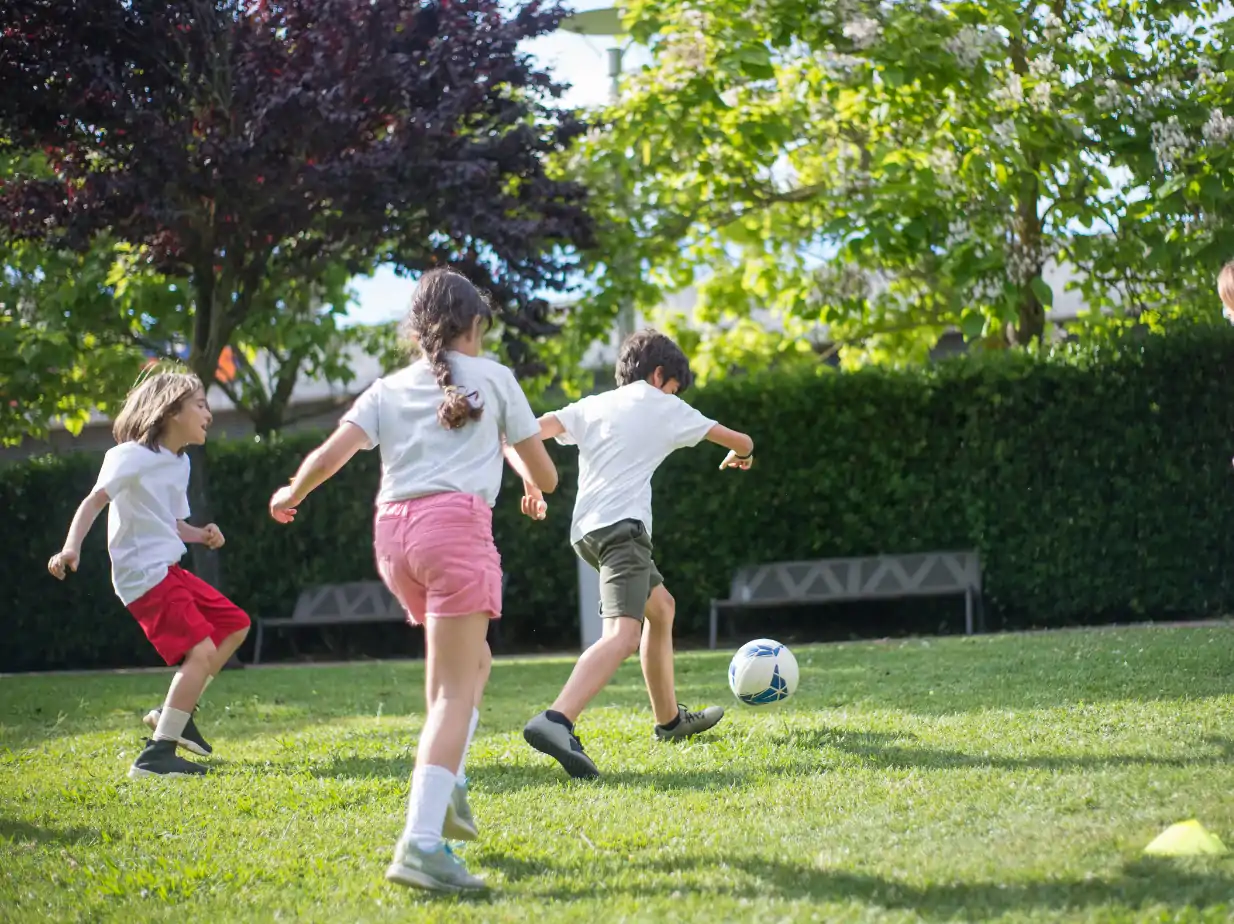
225 372
227 366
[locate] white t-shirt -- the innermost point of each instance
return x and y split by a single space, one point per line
149 493
622 438
418 455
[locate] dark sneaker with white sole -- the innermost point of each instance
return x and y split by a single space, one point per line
690 723
561 744
191 738
160 759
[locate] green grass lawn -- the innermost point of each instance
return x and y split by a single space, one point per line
998 778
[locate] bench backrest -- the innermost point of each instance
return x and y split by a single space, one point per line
358 601
881 576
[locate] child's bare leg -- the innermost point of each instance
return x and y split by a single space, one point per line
486 668
597 666
656 654
186 688
226 648
190 680
159 757
432 686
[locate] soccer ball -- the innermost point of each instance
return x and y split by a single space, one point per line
761 672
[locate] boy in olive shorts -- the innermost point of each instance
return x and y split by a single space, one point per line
623 436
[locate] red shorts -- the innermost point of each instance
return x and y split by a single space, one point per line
436 555
182 611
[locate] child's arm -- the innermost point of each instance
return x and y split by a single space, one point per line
87 512
318 467
209 535
533 504
739 445
550 427
533 464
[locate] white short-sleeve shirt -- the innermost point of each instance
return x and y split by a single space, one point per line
622 438
148 490
419 456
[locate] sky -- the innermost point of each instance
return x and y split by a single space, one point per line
577 60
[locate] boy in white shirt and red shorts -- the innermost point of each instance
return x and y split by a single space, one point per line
145 479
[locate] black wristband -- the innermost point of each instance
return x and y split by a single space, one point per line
745 457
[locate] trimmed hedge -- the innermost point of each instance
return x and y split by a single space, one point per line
1096 485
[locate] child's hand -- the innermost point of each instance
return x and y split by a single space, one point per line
533 504
62 560
732 460
283 505
212 537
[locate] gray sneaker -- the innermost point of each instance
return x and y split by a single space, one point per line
436 870
690 723
459 826
561 744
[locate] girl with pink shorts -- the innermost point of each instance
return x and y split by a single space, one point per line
443 425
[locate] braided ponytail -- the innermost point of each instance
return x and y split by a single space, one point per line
444 308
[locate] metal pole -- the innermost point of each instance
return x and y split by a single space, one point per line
625 313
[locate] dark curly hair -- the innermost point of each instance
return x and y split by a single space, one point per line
443 308
648 350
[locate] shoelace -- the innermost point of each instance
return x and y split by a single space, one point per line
575 744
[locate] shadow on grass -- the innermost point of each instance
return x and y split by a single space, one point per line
883 750
1136 885
502 780
22 832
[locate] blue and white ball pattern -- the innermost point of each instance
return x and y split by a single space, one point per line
762 672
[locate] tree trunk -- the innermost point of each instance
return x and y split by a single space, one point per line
203 360
1029 230
1032 319
205 562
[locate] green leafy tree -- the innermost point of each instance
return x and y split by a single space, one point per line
889 171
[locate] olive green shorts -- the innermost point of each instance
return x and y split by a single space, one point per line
622 554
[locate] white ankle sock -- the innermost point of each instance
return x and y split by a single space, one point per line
171 724
471 732
431 790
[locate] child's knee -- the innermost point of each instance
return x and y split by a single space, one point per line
200 655
630 632
486 660
661 607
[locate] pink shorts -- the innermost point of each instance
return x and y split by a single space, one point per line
436 554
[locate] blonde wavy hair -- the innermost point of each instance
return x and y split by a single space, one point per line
148 406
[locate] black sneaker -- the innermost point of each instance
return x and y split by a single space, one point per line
690 723
191 738
561 744
160 759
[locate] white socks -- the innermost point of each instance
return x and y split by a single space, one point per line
171 724
432 787
471 731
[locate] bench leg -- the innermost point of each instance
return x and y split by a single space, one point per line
712 626
968 611
257 643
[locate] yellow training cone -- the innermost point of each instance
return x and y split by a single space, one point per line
1186 839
